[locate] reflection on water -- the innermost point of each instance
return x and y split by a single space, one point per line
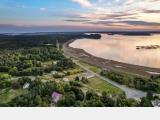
123 49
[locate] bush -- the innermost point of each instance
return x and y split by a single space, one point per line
4 76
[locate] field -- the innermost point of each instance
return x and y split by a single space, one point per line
91 67
100 86
8 95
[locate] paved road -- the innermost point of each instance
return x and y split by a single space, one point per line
16 78
130 93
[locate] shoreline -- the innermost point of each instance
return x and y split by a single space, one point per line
107 64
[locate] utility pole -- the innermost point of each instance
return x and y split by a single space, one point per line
57 45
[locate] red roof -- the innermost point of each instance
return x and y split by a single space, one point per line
56 96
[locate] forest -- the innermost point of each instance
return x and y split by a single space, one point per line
40 39
28 62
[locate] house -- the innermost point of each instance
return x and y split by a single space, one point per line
80 77
65 72
54 72
65 79
26 86
88 75
56 97
48 44
55 62
156 103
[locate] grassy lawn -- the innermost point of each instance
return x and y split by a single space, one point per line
47 77
7 96
91 67
48 63
100 85
72 77
75 71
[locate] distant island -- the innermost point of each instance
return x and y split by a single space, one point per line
133 33
148 47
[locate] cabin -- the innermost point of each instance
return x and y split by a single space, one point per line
65 72
65 79
55 62
56 97
156 103
80 77
48 44
87 75
54 72
26 86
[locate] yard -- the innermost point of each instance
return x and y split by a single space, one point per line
91 67
7 95
100 85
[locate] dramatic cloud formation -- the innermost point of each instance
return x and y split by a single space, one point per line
122 13
82 14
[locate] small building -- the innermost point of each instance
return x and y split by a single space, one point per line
48 44
80 77
156 103
65 79
55 62
65 72
156 95
26 86
88 75
56 97
54 72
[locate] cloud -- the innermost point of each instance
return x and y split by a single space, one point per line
43 9
75 20
150 11
101 12
143 23
151 0
83 3
105 16
129 22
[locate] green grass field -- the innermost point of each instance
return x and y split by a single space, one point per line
91 67
7 96
100 85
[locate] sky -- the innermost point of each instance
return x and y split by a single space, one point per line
78 15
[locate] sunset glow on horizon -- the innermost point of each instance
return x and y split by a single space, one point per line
79 15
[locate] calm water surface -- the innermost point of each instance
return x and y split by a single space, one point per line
123 49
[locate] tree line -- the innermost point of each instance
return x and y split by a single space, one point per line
145 84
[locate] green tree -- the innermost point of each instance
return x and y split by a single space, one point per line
107 100
145 103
